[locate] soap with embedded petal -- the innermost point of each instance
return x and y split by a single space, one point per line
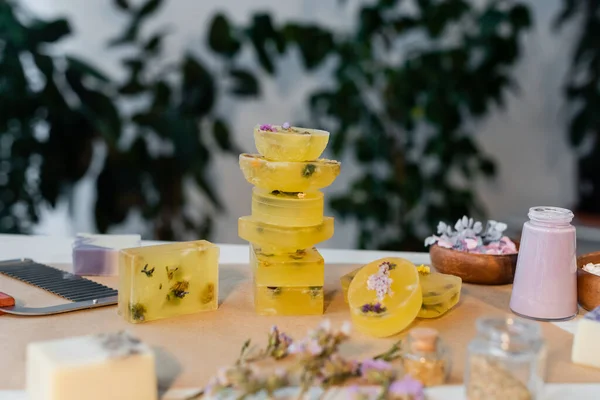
168 280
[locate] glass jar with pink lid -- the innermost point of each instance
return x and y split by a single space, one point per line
545 284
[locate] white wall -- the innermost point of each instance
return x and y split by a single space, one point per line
528 138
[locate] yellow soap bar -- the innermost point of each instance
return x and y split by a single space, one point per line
289 176
288 239
167 280
392 303
441 292
287 209
292 144
273 300
300 268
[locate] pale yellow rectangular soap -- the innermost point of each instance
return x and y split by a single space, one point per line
168 280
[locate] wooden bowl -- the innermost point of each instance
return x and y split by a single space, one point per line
482 269
588 284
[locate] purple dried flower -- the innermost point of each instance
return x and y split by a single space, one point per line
365 308
286 125
374 365
267 127
314 348
407 386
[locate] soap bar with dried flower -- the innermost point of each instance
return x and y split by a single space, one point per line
441 292
168 280
385 297
287 239
288 176
289 143
275 300
586 343
114 366
300 268
287 209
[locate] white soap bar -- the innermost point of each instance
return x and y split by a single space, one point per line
586 343
112 366
99 254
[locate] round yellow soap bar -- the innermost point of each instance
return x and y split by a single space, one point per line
286 238
288 176
292 144
385 297
287 209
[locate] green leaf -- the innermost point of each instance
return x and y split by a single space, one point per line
487 166
48 32
44 63
128 36
122 4
220 38
86 69
153 45
222 136
150 7
520 16
245 84
198 89
579 127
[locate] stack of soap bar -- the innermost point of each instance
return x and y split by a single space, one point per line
167 280
99 254
385 297
287 218
113 366
440 292
586 343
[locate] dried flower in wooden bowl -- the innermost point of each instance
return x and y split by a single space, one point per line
477 255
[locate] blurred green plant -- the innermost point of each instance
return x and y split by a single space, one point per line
54 109
406 85
583 94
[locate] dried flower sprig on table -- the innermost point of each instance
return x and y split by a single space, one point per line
469 236
316 363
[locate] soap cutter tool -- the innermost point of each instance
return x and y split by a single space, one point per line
83 293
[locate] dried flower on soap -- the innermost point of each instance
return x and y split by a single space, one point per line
147 271
138 311
469 236
381 281
268 128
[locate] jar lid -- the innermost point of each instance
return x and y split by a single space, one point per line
423 339
550 214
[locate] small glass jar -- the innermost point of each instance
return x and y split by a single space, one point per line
425 357
506 360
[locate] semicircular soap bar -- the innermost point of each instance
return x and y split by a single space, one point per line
287 209
288 176
385 297
441 292
292 144
284 237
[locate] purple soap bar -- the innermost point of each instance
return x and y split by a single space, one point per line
99 254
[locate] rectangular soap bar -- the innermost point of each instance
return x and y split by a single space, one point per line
167 280
99 254
586 343
114 366
272 300
300 268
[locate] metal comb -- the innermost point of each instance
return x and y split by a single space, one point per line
83 293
